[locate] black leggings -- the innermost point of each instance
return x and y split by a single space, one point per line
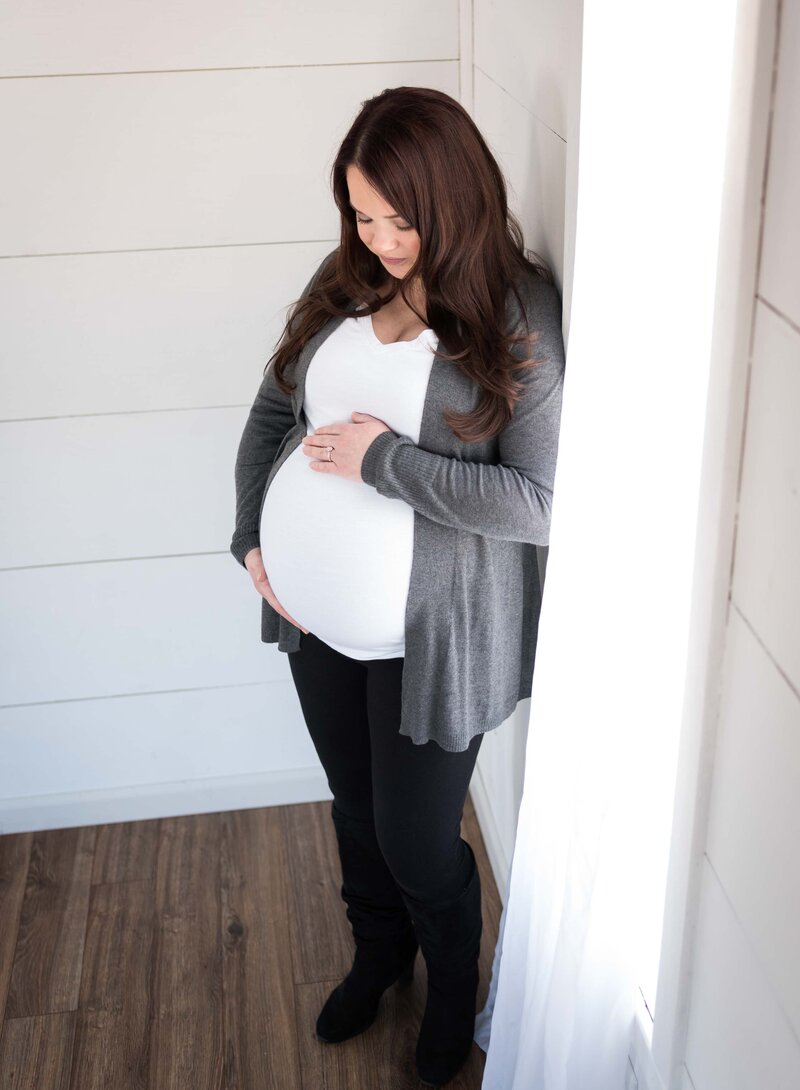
414 794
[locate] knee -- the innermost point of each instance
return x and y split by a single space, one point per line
426 867
347 808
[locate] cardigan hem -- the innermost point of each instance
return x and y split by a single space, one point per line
416 737
419 740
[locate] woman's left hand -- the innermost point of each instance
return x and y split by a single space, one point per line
350 442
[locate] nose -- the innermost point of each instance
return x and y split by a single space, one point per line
384 243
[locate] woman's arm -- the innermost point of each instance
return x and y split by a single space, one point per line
511 500
270 418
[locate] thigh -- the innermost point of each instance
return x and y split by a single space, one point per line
418 794
332 689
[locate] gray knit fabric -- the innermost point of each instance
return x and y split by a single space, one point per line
480 510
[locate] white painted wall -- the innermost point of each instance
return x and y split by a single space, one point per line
744 997
165 196
525 90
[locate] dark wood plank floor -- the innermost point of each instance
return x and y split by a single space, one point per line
194 953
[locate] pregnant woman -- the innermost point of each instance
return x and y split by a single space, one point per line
394 477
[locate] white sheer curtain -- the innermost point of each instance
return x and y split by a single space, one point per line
582 918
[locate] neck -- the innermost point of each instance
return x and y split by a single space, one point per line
416 295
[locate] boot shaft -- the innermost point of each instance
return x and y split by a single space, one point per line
449 932
374 903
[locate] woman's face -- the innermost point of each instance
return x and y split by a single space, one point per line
380 228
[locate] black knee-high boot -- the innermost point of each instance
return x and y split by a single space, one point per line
449 934
386 944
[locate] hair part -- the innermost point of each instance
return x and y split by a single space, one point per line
422 152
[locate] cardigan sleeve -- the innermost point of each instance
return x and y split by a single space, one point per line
271 417
511 500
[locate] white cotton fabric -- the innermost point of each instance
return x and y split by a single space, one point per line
337 553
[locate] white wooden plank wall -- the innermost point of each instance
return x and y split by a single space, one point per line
525 55
165 196
744 1016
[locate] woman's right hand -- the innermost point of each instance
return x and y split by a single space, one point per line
255 565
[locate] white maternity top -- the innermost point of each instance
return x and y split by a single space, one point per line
336 552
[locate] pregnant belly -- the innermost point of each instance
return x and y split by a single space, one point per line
338 557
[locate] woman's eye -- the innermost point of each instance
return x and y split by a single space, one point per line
399 228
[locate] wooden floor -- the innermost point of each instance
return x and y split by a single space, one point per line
194 953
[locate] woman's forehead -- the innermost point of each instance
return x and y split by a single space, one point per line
361 193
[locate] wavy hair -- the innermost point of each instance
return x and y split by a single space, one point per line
422 152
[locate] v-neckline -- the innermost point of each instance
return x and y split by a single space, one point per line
368 325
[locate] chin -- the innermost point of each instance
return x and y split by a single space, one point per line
399 272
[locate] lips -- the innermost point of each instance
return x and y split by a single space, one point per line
394 260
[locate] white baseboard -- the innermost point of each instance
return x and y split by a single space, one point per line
492 840
147 802
143 802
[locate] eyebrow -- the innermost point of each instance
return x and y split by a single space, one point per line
394 215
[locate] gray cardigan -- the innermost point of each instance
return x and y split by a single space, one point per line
480 510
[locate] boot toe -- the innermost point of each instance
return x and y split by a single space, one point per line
353 1005
345 1015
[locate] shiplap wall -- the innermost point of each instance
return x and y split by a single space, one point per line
526 60
164 197
744 1013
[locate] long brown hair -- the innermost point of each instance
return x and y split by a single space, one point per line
421 151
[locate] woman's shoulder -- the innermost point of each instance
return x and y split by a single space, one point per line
330 256
318 271
536 298
534 295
